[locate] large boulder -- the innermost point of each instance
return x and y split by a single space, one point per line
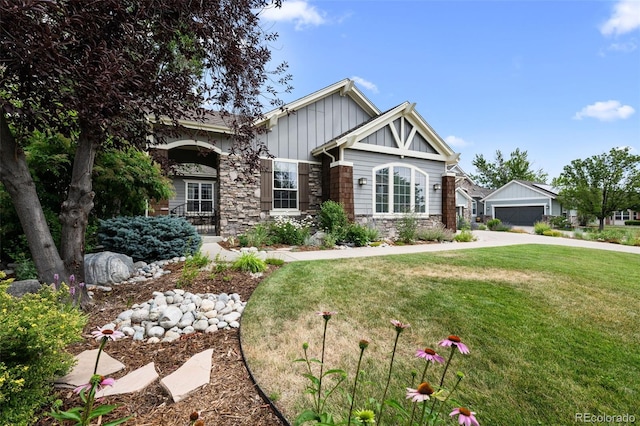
20 288
107 268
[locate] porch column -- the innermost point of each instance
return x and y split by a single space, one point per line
159 207
449 200
341 186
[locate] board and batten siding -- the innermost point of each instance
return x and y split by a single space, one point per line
363 165
297 134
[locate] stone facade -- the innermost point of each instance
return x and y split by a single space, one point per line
239 204
388 227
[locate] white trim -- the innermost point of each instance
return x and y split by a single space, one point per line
545 207
189 142
274 189
199 182
399 152
284 212
341 163
518 198
412 195
503 187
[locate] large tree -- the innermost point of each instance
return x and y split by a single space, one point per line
98 70
601 184
494 174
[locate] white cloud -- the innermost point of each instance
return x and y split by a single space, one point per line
365 83
626 47
624 19
456 141
298 11
605 111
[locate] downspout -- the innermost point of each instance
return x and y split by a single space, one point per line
324 151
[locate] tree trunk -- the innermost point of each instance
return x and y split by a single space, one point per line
601 224
74 214
16 177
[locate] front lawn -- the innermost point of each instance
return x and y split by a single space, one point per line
553 331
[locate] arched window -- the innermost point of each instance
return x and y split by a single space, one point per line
400 189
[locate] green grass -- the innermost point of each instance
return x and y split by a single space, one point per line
553 330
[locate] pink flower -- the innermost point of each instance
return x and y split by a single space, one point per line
465 417
399 325
108 333
454 341
102 382
326 314
429 355
420 394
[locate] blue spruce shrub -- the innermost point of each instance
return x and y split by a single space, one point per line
149 238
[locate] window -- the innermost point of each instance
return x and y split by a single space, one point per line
474 208
400 189
622 215
199 197
285 185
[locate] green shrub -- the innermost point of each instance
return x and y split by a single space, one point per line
503 227
149 238
274 261
191 269
436 233
493 224
257 236
358 234
26 270
463 223
34 330
632 222
408 228
559 222
465 236
329 240
290 231
249 262
482 227
552 233
539 228
333 219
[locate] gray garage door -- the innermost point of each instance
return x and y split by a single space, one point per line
521 216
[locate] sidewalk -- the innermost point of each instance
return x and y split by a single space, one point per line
484 239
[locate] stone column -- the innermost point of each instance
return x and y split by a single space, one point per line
449 200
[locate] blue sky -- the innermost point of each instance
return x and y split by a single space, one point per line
559 79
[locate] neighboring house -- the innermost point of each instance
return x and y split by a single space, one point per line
523 203
469 196
620 217
333 144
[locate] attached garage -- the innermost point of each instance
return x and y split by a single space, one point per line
522 203
520 216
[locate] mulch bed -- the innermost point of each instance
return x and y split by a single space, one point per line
230 398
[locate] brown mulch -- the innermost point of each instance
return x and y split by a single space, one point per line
230 398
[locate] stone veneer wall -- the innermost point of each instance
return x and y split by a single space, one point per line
239 202
388 227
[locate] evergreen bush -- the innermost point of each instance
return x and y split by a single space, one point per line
34 330
149 238
333 219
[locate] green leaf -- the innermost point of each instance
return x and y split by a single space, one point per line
117 422
101 410
334 371
306 416
72 414
313 378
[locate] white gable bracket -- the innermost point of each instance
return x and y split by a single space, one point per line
409 109
347 88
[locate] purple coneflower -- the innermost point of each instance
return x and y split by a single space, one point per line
429 355
108 333
421 394
326 314
465 417
100 381
400 325
454 341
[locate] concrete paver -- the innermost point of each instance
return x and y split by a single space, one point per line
193 374
83 370
132 382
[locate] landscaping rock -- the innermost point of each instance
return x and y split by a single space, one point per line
107 268
20 288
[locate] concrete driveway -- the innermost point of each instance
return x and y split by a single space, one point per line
484 239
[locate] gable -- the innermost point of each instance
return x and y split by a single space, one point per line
517 190
401 132
299 132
